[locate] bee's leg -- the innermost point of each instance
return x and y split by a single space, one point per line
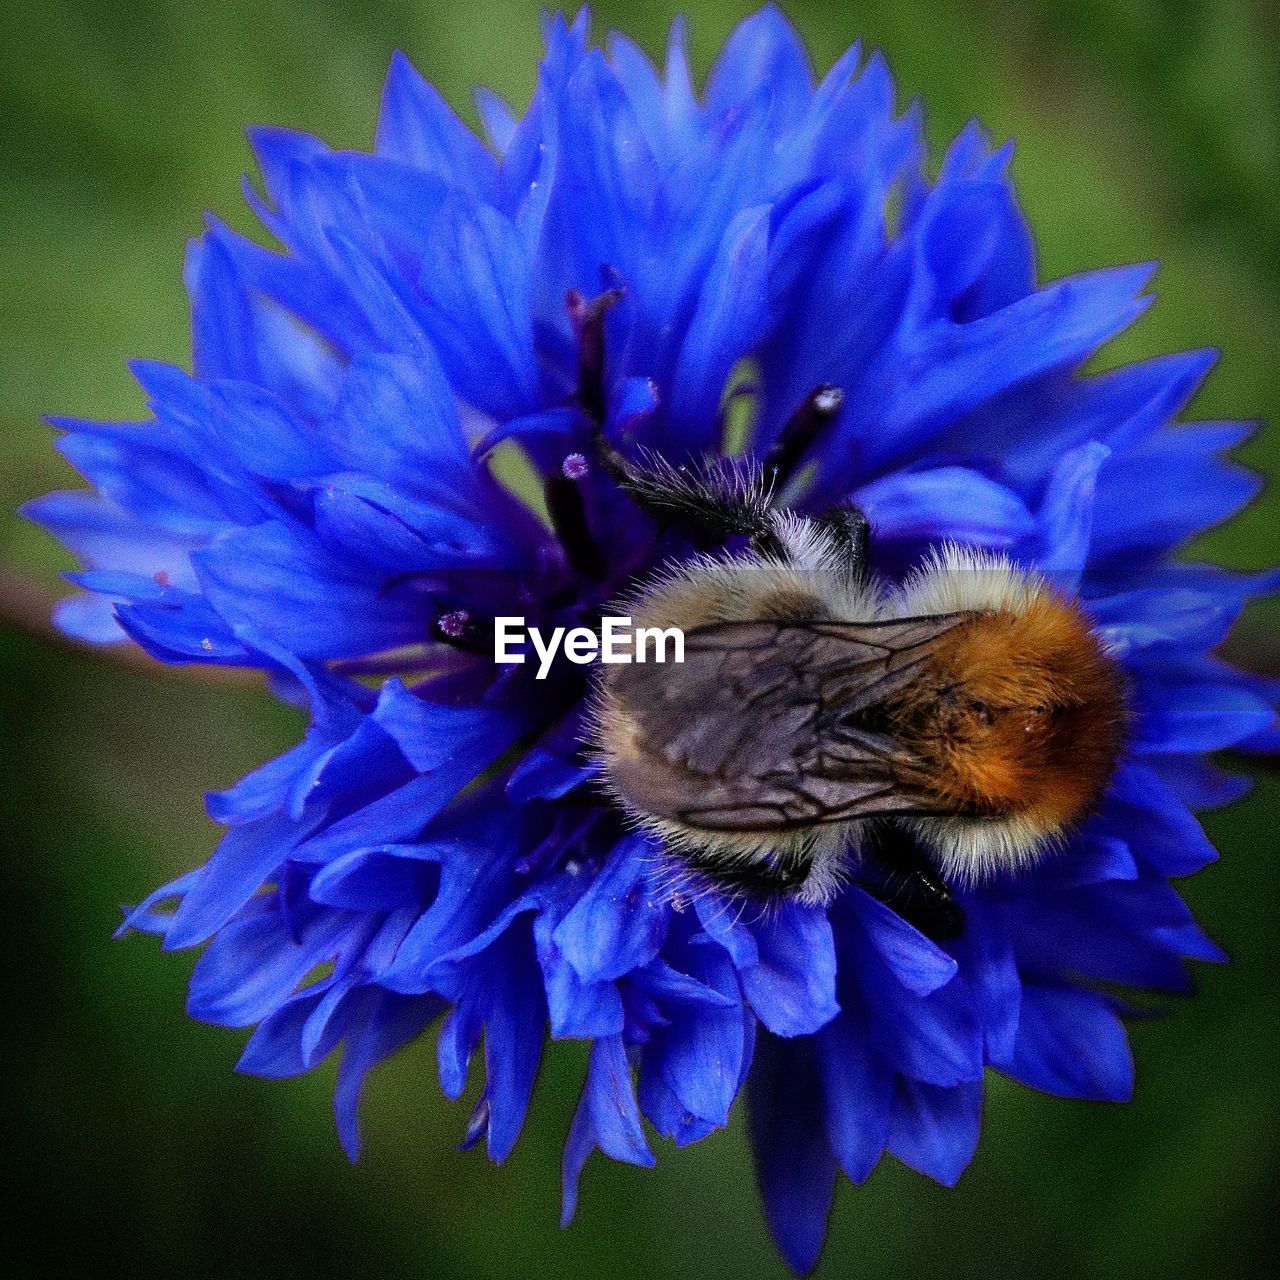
903 878
763 880
924 899
848 527
801 431
720 505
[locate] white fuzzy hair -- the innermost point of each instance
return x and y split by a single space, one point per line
958 579
952 579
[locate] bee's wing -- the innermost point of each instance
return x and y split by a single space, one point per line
757 729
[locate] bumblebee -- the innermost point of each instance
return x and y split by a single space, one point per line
825 727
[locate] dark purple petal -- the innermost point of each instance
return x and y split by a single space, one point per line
857 1087
794 1163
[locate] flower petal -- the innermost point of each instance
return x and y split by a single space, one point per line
945 503
417 127
795 1168
920 965
619 923
935 1130
1070 1042
607 1119
856 1087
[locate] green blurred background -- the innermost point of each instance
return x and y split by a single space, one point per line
1145 130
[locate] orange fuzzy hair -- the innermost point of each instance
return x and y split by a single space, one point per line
1020 714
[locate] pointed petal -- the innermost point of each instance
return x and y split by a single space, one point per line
935 1130
857 1088
919 964
416 126
1070 1042
795 1168
618 924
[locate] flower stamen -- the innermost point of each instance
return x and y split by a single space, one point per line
801 432
459 629
568 510
587 315
565 501
575 467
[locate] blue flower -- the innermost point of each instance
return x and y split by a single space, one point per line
357 475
